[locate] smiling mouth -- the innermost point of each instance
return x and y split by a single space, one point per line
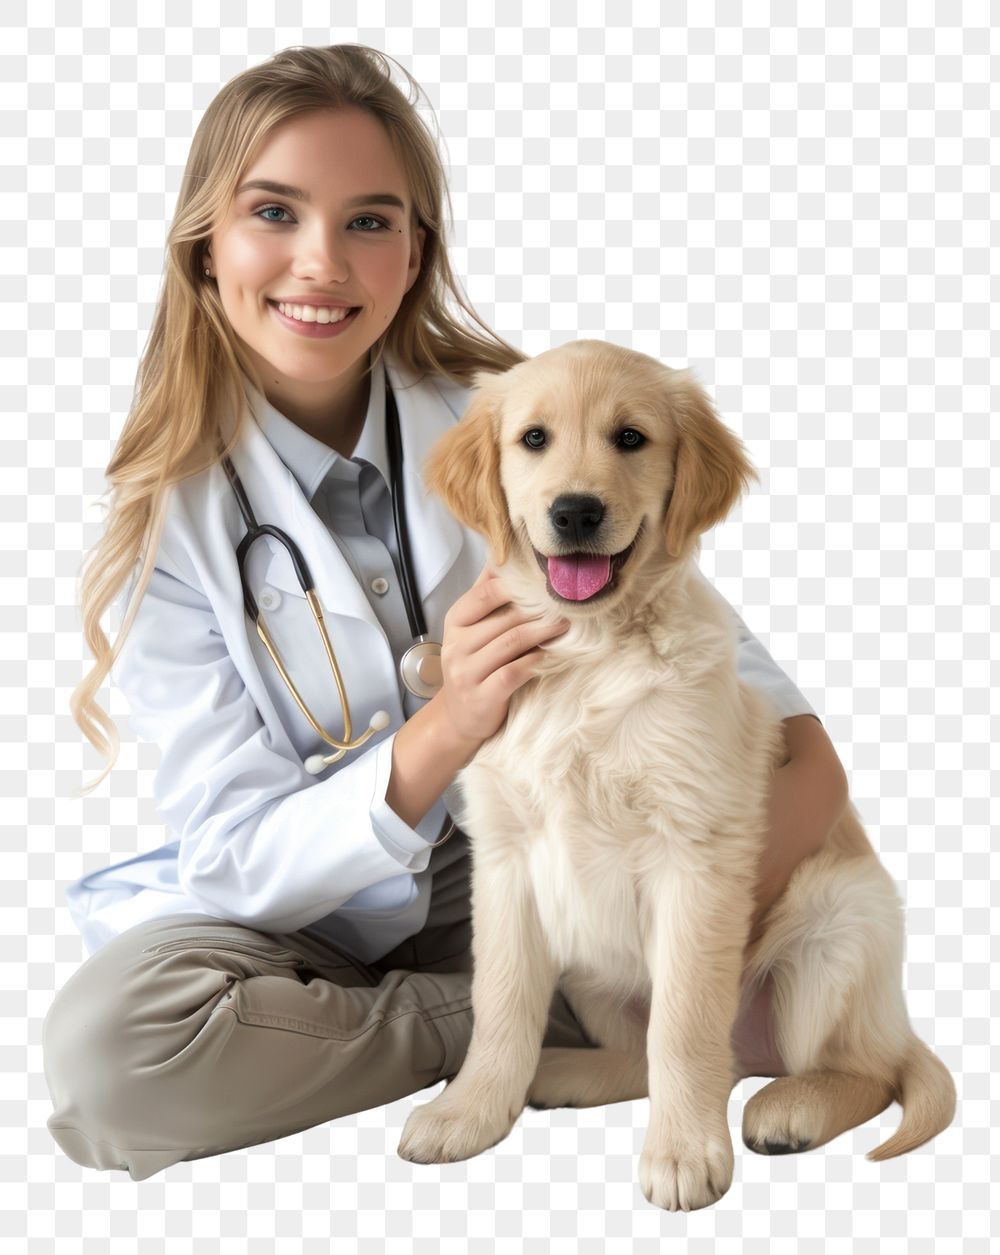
583 576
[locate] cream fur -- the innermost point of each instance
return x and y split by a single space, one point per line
617 816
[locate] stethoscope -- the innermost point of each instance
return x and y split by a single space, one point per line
420 667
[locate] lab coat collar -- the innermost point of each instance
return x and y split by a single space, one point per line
428 407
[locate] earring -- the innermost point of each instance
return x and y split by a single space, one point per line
208 272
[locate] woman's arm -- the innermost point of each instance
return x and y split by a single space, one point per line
808 795
427 754
809 790
261 842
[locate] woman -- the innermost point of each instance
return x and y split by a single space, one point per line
299 950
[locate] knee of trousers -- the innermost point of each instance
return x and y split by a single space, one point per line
111 1072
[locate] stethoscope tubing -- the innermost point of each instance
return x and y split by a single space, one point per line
420 667
414 610
255 530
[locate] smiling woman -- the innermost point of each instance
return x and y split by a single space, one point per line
284 272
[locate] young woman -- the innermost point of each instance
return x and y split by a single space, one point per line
300 948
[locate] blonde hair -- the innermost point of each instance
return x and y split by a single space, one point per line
189 376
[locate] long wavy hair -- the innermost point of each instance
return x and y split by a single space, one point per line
189 376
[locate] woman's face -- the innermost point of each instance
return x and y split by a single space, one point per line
338 242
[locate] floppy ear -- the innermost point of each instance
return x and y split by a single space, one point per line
463 469
711 469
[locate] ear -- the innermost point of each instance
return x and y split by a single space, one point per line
711 469
463 469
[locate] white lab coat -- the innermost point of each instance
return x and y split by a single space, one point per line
254 838
258 840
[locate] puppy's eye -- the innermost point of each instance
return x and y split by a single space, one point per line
631 439
534 439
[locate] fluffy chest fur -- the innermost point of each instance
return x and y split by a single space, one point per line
624 757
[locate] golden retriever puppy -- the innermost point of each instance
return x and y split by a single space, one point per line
616 818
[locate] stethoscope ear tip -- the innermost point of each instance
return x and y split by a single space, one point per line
316 763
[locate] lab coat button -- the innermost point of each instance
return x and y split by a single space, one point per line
270 599
380 586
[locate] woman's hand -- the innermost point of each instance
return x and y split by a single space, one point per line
808 795
490 649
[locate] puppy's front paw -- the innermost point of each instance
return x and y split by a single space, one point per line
686 1173
446 1130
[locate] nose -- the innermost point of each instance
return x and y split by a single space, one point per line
322 256
576 517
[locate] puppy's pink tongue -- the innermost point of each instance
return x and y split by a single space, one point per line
581 576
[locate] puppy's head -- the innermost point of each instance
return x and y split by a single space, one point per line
586 467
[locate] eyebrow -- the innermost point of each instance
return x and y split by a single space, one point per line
297 193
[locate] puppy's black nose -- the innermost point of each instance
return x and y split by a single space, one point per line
575 517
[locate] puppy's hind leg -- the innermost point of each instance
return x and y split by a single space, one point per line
796 1113
834 953
569 1077
613 1071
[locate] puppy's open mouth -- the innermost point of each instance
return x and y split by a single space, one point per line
583 576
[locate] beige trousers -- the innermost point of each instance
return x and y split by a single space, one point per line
189 1036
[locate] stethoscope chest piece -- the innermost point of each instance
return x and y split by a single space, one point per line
420 668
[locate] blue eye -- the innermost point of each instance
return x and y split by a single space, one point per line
378 222
259 213
267 209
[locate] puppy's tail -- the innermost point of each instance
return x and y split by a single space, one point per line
926 1092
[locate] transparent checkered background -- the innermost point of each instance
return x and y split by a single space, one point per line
792 199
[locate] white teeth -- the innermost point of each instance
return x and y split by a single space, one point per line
314 313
